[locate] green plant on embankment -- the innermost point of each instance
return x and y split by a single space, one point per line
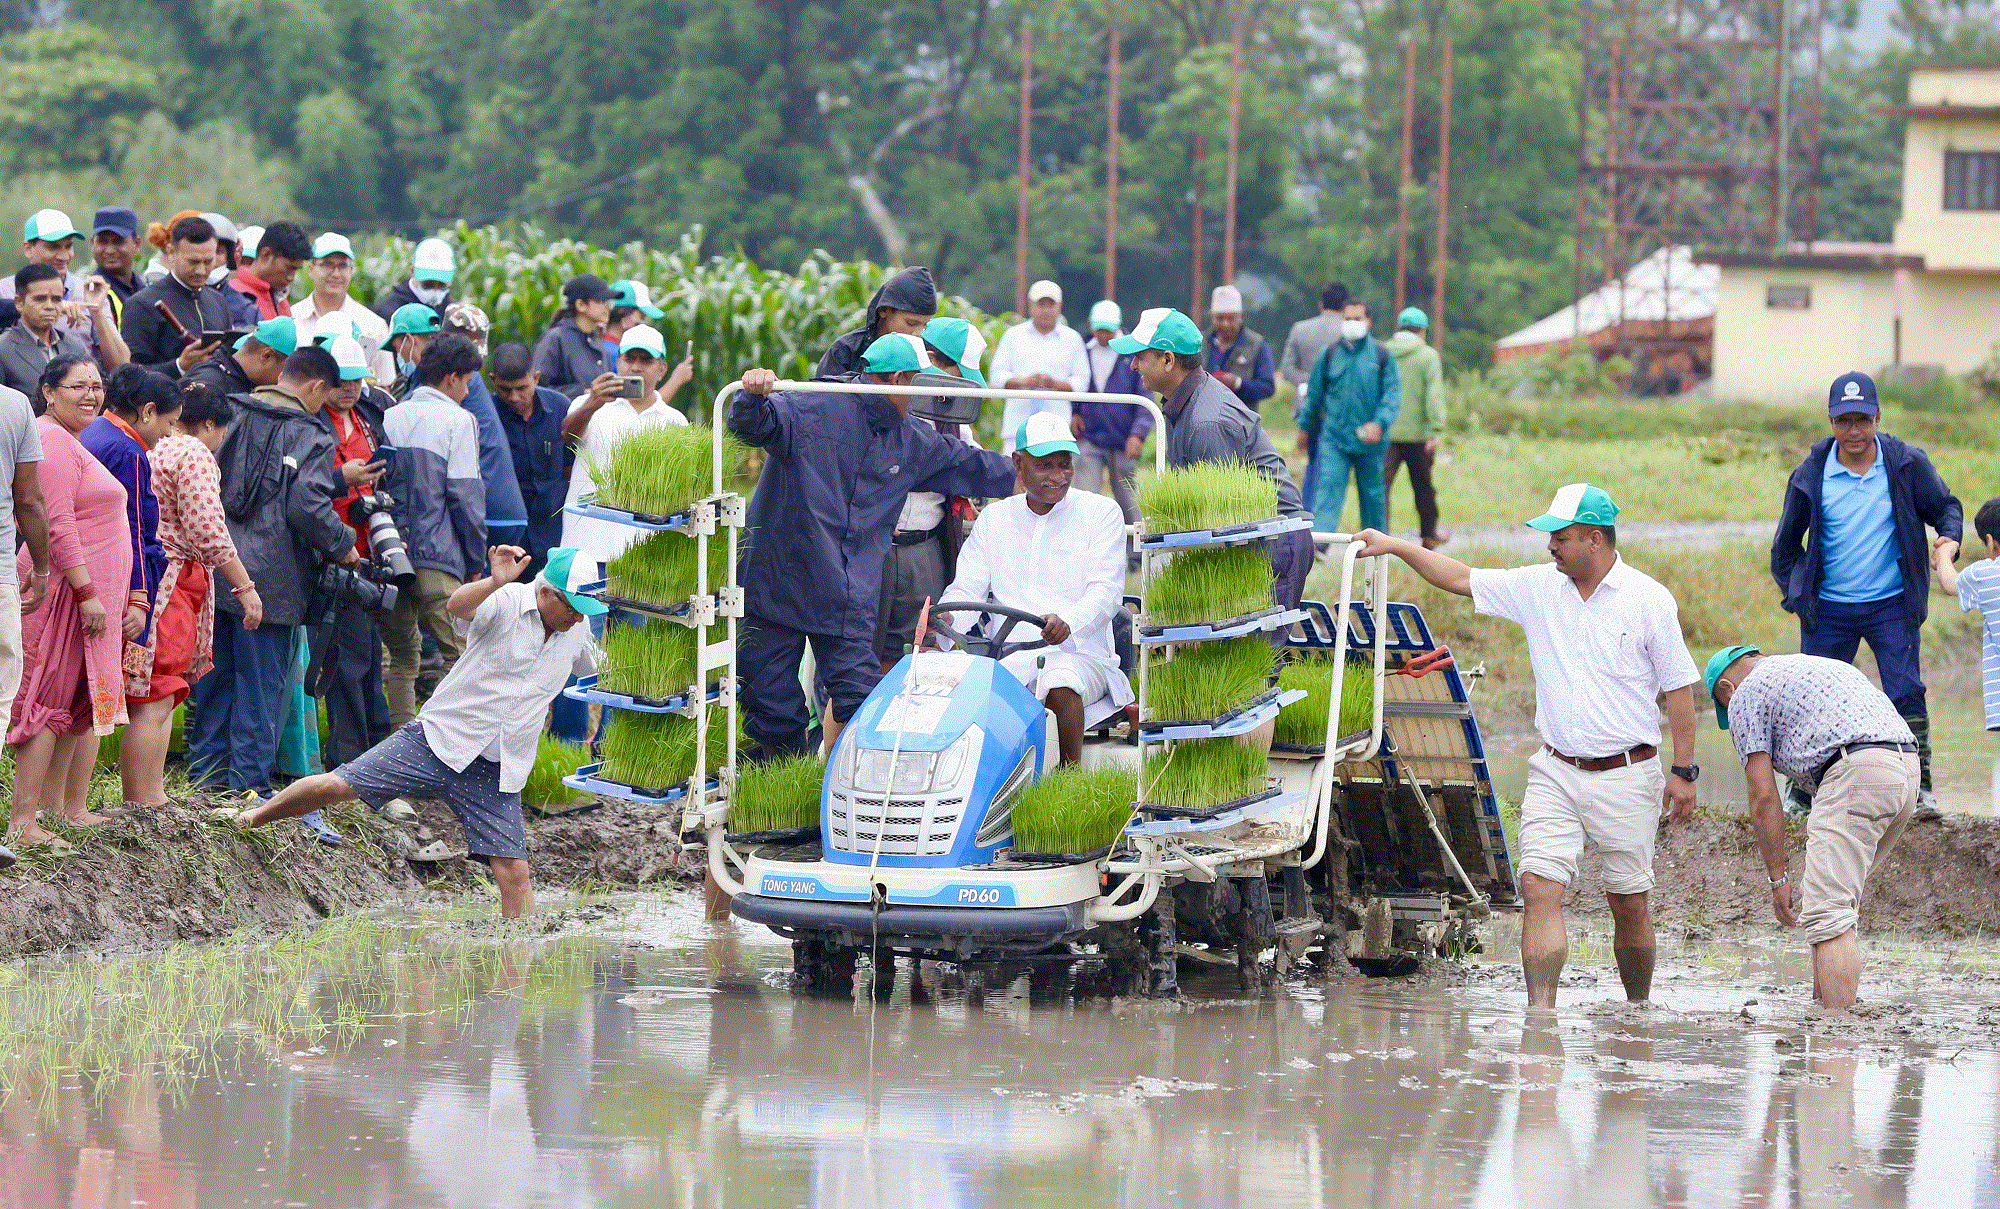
554 760
1196 773
660 471
660 569
654 659
1303 723
1207 495
777 795
1208 679
656 751
1209 584
1073 809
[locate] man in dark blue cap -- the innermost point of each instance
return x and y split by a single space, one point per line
1864 498
114 245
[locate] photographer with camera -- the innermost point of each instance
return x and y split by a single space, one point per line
278 488
440 509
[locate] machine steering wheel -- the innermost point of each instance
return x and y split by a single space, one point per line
997 646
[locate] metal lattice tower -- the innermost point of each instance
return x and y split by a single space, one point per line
1699 127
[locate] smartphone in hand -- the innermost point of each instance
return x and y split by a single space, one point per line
630 386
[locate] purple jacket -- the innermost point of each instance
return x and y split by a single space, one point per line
1106 425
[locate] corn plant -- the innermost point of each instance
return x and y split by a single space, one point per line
1207 495
1303 723
1208 679
777 795
1209 584
656 751
1198 773
554 760
655 659
659 569
1073 809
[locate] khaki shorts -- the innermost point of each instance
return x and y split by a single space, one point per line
1858 814
1617 809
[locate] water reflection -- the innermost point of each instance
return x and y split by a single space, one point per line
583 1073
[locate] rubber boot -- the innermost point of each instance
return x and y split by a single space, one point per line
1927 807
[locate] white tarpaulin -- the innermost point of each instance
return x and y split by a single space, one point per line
1666 286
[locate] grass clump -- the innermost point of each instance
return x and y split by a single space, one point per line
554 760
661 471
1207 495
661 569
656 659
1073 809
1303 723
777 795
656 751
1206 680
1197 773
1209 584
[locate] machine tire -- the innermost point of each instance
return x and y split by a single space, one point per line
824 967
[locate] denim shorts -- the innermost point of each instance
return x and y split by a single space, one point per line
403 766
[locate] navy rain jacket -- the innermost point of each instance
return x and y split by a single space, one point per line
1919 498
910 290
826 505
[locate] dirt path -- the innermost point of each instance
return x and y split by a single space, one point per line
1686 535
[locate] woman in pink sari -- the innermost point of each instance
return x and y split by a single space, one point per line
73 675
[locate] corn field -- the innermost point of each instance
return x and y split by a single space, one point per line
738 315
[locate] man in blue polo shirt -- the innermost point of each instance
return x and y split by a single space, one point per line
1864 498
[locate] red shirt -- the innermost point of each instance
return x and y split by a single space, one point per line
259 290
352 440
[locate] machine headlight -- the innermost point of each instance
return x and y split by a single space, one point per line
871 771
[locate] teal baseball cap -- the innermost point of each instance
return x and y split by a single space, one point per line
1413 317
1718 663
48 226
1577 504
895 353
414 319
568 569
635 295
959 341
1163 328
1044 433
279 334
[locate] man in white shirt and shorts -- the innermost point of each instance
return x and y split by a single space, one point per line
1059 554
1606 646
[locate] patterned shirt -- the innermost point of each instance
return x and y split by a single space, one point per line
189 486
1801 709
1600 664
1979 588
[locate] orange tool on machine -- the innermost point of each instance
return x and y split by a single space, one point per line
1423 665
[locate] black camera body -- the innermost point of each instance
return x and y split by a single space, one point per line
376 512
373 584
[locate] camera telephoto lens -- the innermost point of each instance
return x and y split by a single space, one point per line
384 539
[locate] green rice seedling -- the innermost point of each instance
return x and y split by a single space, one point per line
656 659
1073 809
1209 584
1207 495
1208 679
777 795
660 471
660 569
554 760
1303 723
656 751
1198 773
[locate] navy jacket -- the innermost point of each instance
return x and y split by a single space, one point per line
827 501
1106 425
540 463
1249 358
155 344
569 360
122 454
1919 498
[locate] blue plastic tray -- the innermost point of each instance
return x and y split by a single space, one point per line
1233 535
586 690
1277 619
588 506
586 780
1241 723
1261 806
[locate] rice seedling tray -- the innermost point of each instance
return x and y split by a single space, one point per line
1273 618
588 506
1227 814
1204 812
1054 858
1239 721
588 781
783 835
586 690
644 608
1228 535
1317 749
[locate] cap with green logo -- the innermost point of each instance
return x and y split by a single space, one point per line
642 338
568 569
278 334
414 319
1163 328
896 353
1577 504
332 243
348 356
48 226
1718 663
635 295
1044 433
336 324
961 343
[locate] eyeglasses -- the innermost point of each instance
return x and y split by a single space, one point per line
88 388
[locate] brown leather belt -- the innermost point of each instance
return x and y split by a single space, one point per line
1638 755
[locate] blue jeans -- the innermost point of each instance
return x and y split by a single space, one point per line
239 706
1330 499
1309 488
1895 643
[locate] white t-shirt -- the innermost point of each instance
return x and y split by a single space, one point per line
499 690
1025 350
616 420
374 334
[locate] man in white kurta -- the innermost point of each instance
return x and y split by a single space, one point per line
1039 353
1058 554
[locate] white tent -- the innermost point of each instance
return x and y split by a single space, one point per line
1666 287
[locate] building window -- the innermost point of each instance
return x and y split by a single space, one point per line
1788 297
1972 180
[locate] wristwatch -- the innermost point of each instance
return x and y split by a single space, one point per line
1687 772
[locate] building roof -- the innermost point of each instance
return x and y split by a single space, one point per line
1824 254
1975 112
1667 286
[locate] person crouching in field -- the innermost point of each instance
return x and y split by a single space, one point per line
473 743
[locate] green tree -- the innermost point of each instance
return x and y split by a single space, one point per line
66 98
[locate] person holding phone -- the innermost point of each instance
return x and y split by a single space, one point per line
604 417
173 346
88 313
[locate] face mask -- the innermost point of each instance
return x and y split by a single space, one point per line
1352 330
428 294
407 369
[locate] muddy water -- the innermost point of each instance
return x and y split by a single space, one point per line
661 1062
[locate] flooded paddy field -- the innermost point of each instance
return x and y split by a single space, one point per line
621 1052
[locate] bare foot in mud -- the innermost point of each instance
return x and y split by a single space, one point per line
87 818
34 833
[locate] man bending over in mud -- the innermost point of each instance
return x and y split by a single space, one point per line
1605 642
1824 724
473 743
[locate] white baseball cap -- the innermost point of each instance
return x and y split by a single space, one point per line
1226 300
1044 433
331 242
1106 316
347 354
1044 289
645 339
246 246
48 226
433 261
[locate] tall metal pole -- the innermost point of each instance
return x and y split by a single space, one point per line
1443 195
1781 138
1194 272
1021 189
1235 120
1111 181
1583 97
1403 189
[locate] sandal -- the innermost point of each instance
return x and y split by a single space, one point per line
322 830
436 850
